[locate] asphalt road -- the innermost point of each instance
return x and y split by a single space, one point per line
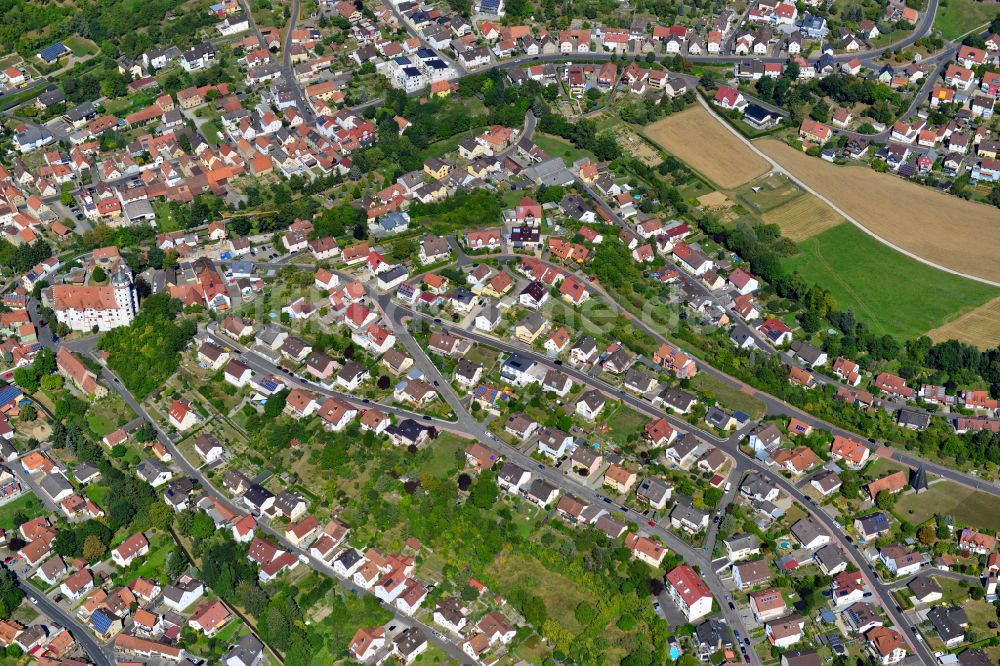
190 470
729 445
101 655
398 316
288 70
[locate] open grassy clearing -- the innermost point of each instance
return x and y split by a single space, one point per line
803 217
730 397
27 504
968 507
954 18
979 327
960 235
446 450
767 193
81 47
637 146
559 147
560 594
879 467
891 292
707 146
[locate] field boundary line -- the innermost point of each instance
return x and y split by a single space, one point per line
775 166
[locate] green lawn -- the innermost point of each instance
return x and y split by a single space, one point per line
164 218
558 147
443 455
107 414
730 397
27 504
211 132
956 17
96 493
80 47
968 507
887 290
623 422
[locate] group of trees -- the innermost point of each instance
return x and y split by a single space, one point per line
884 103
146 352
22 258
41 373
463 210
133 25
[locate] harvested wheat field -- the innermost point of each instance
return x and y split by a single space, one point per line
979 327
703 142
948 231
714 200
803 217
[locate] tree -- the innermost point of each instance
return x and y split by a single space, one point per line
484 491
585 613
160 515
93 548
10 594
469 593
184 522
885 500
177 563
275 405
28 413
534 611
202 527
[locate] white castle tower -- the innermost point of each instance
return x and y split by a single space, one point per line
125 296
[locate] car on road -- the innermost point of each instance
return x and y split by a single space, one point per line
559 361
731 606
541 466
651 523
33 600
606 500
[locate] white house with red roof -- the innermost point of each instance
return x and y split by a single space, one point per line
729 98
689 592
243 529
743 282
182 416
645 549
135 546
776 331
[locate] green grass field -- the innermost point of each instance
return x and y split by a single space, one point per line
968 507
730 398
81 47
559 147
956 17
26 504
211 132
887 290
444 450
